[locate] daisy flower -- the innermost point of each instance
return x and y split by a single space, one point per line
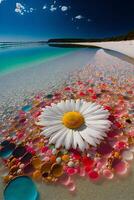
74 124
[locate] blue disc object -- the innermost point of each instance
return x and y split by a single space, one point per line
27 108
21 188
7 150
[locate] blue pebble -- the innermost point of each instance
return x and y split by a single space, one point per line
7 150
21 188
26 108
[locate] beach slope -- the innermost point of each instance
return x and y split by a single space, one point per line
124 47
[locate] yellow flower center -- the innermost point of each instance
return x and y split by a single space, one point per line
73 120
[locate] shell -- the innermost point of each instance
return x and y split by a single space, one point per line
57 170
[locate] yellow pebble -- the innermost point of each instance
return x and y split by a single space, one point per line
36 163
37 175
6 179
65 158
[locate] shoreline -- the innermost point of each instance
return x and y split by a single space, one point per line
28 81
39 61
124 47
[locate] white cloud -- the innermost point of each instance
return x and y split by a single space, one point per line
21 9
31 9
1 1
52 8
64 8
44 7
79 17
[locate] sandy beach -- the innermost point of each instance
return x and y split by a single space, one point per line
124 47
35 80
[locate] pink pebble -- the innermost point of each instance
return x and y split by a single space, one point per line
49 152
67 181
82 172
46 158
120 145
101 163
44 149
108 174
71 186
71 171
121 168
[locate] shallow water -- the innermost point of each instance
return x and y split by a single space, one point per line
15 58
20 81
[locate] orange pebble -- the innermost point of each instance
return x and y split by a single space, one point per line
36 163
53 159
65 158
6 179
37 175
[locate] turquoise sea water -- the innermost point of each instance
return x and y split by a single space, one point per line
15 58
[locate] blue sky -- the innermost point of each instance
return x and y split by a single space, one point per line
44 19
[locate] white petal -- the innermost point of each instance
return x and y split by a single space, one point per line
68 106
56 110
91 110
85 106
78 141
60 141
72 104
52 122
78 105
52 129
61 106
68 139
101 122
99 111
94 133
99 127
48 111
54 138
96 117
92 141
40 123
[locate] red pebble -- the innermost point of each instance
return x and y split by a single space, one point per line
87 161
79 82
88 168
118 125
104 148
71 171
76 156
111 118
121 145
107 108
36 114
90 90
94 97
82 94
20 135
111 134
44 149
67 88
93 175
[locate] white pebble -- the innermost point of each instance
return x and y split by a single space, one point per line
70 164
54 151
127 155
132 149
58 160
